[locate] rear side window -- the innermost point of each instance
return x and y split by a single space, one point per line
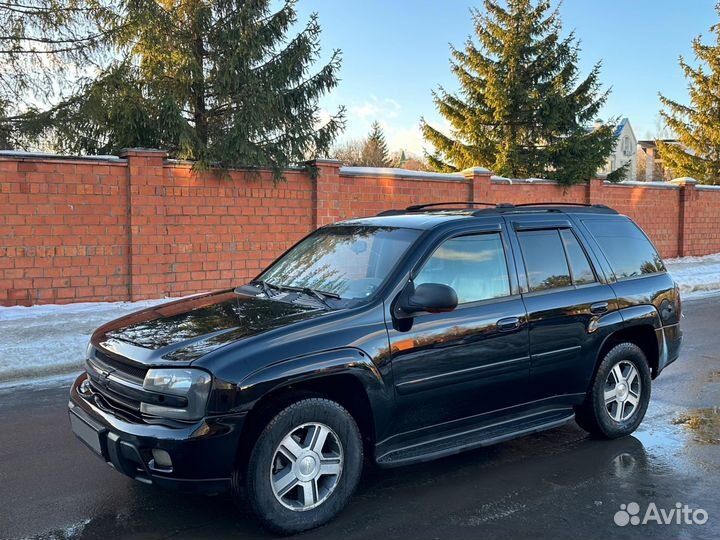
582 272
545 262
627 249
473 265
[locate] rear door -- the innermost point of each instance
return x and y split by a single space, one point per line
474 359
566 294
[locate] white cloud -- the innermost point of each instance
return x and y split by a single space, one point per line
373 109
408 138
402 129
400 133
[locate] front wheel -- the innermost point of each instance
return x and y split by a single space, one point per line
619 395
304 466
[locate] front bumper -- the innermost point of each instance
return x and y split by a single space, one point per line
203 453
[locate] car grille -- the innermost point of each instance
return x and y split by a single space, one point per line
109 401
116 395
136 373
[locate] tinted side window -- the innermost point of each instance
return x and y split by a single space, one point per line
545 262
627 249
473 265
580 267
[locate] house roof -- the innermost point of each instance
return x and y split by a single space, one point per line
651 142
620 127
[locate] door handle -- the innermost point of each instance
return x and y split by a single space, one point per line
508 324
599 307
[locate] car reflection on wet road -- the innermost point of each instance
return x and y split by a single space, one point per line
556 484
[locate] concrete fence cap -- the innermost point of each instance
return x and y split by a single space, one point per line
324 161
500 179
124 152
475 170
23 155
392 172
683 181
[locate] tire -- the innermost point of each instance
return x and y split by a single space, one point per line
628 393
296 487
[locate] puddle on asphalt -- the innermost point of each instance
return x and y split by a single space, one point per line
664 438
702 424
71 532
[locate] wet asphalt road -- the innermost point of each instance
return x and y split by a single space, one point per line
557 484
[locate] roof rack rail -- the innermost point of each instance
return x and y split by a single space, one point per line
563 204
418 207
494 208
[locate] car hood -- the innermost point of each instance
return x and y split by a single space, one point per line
183 331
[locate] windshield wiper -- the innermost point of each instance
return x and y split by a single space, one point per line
316 293
266 287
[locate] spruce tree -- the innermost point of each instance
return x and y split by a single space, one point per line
375 151
222 82
522 110
697 126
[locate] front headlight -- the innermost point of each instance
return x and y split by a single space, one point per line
191 384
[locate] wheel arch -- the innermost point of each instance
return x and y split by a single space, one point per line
641 333
347 376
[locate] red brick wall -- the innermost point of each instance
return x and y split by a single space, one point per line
655 209
63 231
346 196
702 222
534 192
196 232
140 226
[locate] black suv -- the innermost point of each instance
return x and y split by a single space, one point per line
404 337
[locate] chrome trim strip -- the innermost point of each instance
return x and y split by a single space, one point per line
460 371
556 351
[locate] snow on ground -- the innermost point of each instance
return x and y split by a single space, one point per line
47 343
696 275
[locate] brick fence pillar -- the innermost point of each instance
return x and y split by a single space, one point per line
594 190
326 186
146 235
688 194
480 183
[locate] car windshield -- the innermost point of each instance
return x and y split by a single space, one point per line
346 262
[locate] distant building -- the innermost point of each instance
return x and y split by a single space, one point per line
650 164
624 152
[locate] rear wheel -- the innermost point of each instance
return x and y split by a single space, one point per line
619 395
304 466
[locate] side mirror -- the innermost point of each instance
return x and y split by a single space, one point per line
430 297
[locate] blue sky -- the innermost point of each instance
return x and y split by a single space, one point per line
395 52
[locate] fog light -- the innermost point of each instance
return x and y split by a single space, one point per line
162 459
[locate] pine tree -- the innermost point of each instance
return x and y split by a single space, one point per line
217 81
375 151
522 109
697 126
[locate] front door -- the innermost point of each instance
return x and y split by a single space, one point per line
474 359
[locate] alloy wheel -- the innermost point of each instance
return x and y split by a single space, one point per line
306 466
622 391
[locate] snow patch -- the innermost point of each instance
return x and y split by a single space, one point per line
48 341
696 275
